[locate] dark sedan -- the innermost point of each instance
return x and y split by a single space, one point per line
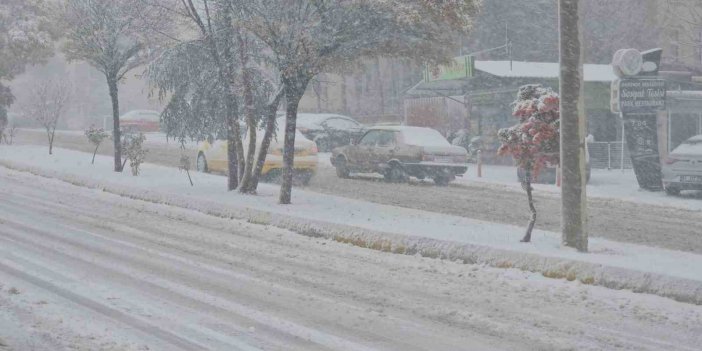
329 130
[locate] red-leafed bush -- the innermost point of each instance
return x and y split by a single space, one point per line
535 141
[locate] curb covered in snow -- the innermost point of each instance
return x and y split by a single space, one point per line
680 289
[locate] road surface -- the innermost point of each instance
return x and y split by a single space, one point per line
666 227
83 269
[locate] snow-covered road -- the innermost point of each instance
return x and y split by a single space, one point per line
84 269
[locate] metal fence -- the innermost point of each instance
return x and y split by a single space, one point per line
608 155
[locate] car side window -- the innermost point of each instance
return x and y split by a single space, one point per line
369 139
340 123
386 139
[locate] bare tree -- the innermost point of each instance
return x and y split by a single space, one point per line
114 37
49 101
26 37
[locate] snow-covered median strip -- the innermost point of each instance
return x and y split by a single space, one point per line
617 265
605 184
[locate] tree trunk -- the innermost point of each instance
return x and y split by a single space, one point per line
532 209
294 89
232 157
250 113
94 152
573 192
49 139
265 142
116 137
51 142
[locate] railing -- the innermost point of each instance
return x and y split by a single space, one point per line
608 155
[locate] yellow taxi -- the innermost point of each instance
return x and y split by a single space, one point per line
212 156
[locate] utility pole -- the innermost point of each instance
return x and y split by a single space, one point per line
573 128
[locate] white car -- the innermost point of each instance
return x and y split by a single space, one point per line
682 169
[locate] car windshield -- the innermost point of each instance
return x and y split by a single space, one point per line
312 120
423 137
340 123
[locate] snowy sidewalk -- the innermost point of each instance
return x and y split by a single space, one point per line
608 184
613 264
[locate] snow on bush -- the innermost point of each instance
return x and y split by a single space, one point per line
96 136
133 147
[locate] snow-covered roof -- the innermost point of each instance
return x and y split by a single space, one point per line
591 72
418 136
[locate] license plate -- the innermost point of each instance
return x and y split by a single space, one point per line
691 179
444 159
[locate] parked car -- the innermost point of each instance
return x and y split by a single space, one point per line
682 169
328 130
398 152
212 156
144 121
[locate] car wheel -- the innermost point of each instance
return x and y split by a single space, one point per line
672 191
396 174
202 163
342 170
442 180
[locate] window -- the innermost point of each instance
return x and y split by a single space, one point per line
370 138
340 123
386 139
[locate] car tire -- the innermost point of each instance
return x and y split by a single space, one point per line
673 191
442 180
396 174
202 163
342 170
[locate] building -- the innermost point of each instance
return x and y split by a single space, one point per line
482 102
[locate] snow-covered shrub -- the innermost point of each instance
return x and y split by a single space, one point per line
132 146
185 165
96 136
534 142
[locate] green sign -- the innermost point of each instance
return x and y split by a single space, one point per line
459 67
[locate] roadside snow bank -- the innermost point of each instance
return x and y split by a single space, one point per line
611 264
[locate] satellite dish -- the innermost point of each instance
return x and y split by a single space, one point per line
627 62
